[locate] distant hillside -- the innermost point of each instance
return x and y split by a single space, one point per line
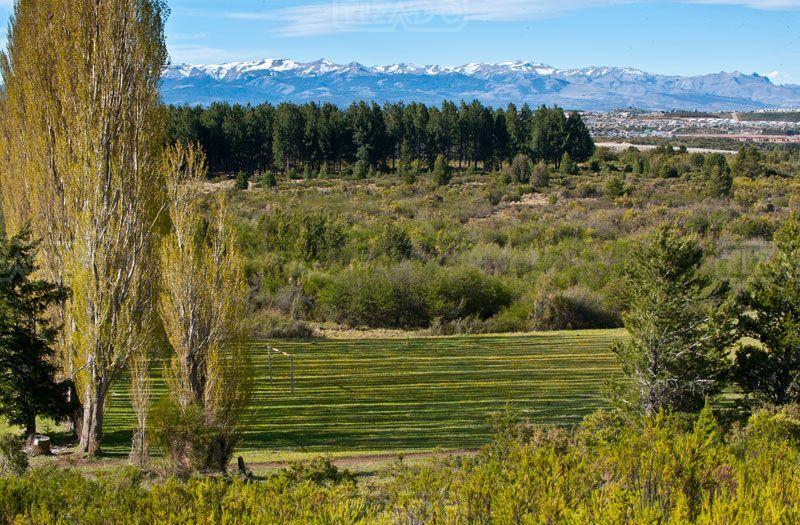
594 88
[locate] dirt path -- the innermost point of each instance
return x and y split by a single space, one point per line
622 146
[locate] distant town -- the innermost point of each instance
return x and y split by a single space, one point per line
781 127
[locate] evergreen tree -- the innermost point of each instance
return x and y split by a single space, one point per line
675 356
717 174
441 171
578 142
549 135
242 181
288 136
28 371
568 166
269 180
770 314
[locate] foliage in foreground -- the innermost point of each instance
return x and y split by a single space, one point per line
665 469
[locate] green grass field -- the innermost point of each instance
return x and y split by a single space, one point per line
409 394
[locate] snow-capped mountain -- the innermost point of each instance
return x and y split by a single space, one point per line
591 88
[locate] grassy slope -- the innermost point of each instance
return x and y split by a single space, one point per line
362 396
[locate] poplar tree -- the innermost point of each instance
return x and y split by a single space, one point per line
82 132
202 302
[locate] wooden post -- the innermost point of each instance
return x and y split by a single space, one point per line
269 353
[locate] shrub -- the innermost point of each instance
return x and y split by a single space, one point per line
774 424
587 190
395 243
408 173
411 295
242 181
461 293
319 470
269 180
574 309
13 459
378 297
495 196
304 236
520 169
615 187
569 166
541 175
441 171
277 327
183 435
360 170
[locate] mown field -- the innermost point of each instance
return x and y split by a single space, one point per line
409 394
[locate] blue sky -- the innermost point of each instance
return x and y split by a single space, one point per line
661 36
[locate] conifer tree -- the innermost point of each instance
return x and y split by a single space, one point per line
676 354
29 386
769 371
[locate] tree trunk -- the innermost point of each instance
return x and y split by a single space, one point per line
30 427
40 446
92 425
140 450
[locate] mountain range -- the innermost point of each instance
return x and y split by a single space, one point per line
496 84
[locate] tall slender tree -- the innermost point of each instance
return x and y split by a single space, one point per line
203 302
82 132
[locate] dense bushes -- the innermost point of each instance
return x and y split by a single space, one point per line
573 309
543 239
13 459
665 469
411 295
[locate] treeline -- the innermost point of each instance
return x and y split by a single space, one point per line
313 137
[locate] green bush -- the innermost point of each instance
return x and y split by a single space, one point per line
13 459
615 187
441 171
411 295
376 296
182 433
671 468
269 180
304 236
394 243
242 181
540 176
320 471
360 170
520 169
775 424
574 309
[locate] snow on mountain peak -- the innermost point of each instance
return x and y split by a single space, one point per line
517 81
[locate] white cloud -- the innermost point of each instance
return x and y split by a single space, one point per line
423 15
382 15
779 77
201 54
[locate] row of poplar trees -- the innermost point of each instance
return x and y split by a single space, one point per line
119 216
